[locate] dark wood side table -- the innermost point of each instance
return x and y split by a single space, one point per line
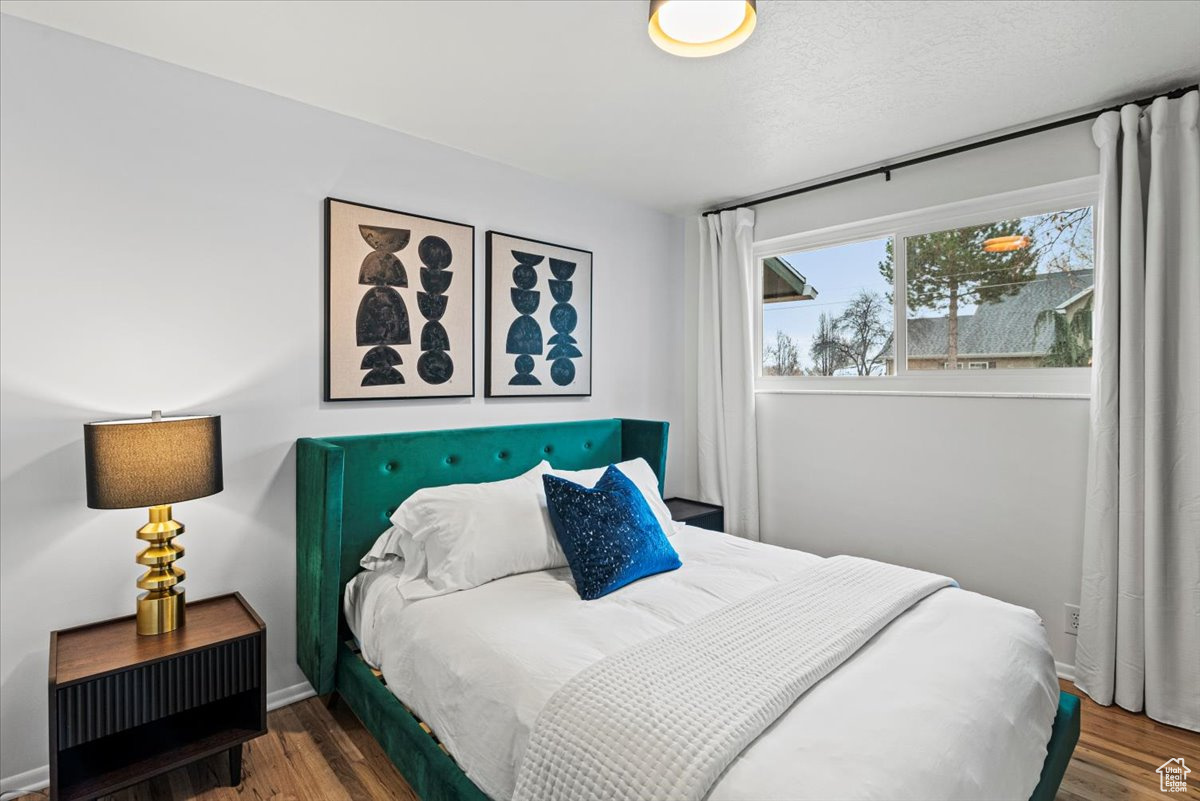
696 513
125 707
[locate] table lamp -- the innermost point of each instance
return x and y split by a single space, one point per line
154 461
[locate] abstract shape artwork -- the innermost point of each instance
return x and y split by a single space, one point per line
435 365
382 316
380 361
524 334
369 334
563 319
521 327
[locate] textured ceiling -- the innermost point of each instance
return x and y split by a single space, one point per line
575 90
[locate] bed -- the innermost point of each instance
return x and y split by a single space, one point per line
347 488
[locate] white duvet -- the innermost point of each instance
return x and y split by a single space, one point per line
953 700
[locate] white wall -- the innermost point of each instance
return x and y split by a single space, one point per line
1044 158
162 248
988 490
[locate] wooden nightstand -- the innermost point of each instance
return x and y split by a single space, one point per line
695 513
125 707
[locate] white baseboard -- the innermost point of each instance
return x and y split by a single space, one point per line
1065 671
289 695
28 782
37 779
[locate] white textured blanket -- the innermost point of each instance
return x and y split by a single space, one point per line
664 718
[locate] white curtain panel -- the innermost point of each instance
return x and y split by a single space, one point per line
1139 632
728 445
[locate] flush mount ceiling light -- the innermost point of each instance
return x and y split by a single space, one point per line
1005 244
698 28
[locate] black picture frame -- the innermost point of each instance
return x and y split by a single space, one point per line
467 364
493 385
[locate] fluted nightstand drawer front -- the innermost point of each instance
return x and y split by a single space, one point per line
109 704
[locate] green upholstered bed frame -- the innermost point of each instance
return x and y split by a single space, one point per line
346 491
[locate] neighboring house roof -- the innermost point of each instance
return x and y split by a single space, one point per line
1005 327
1076 300
783 282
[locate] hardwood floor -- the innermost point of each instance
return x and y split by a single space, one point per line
315 754
1118 753
311 753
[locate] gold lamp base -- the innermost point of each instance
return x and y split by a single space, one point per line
160 608
161 613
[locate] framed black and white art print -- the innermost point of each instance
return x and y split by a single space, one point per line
399 305
539 318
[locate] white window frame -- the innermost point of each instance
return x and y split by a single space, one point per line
1051 382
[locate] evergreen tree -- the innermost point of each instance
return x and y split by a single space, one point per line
949 269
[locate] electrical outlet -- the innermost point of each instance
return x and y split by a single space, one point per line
1071 618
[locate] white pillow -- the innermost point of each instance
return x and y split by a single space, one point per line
396 542
388 548
636 470
396 552
462 535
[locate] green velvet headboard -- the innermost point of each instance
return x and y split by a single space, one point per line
348 487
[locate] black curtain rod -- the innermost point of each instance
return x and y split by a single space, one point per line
887 170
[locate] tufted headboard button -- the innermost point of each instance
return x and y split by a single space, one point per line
451 460
547 449
390 467
502 455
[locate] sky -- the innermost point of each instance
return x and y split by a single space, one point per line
838 273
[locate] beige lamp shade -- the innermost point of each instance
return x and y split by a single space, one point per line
152 461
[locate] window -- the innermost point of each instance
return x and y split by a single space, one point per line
994 294
827 312
1002 295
